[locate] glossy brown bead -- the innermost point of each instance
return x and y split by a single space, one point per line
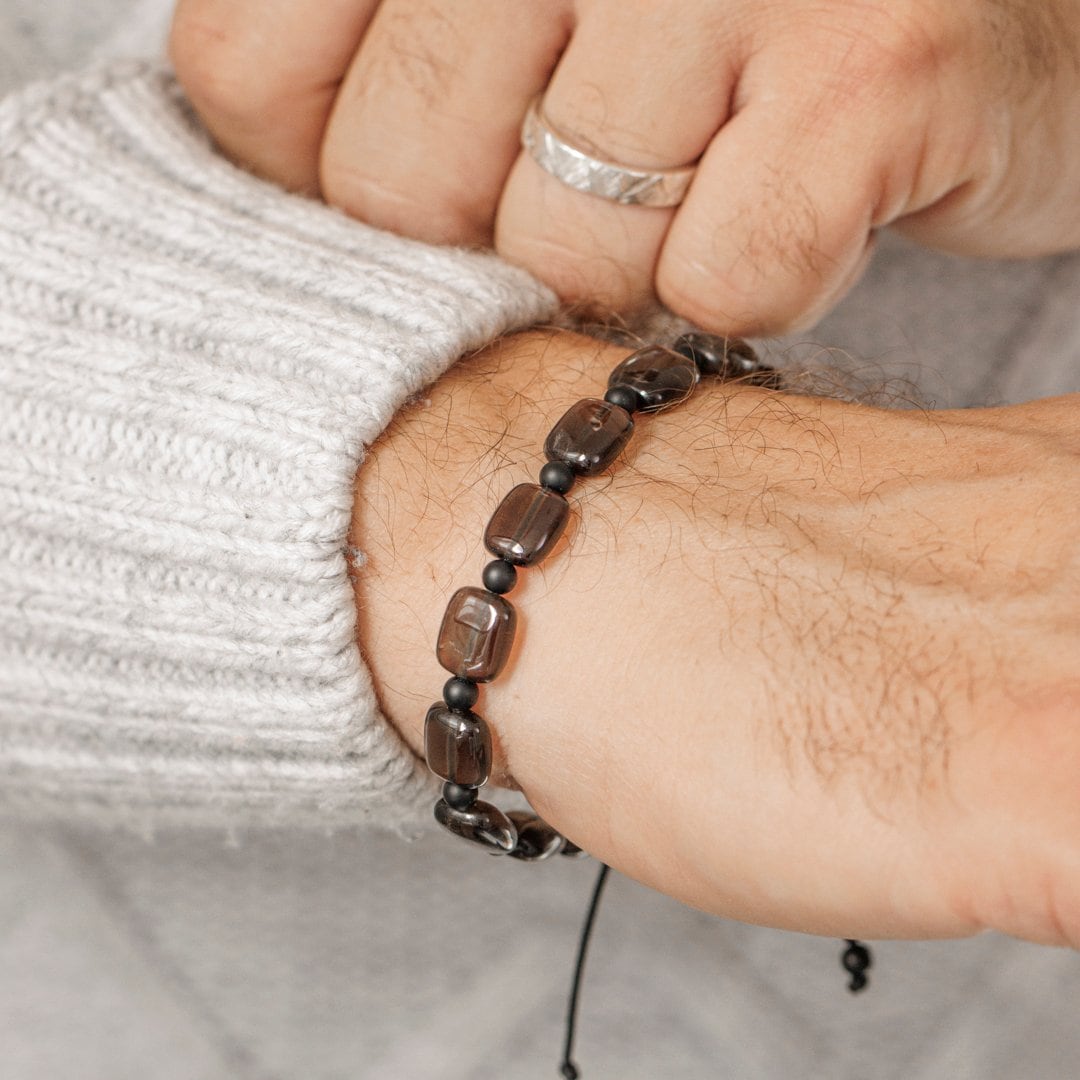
481 823
589 436
457 745
477 634
526 525
660 376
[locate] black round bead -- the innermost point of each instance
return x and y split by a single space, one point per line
557 476
856 957
499 576
856 962
458 797
626 397
460 694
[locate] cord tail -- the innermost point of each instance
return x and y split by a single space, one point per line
567 1068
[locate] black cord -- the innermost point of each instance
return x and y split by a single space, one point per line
567 1068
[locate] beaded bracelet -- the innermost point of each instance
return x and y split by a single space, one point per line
477 630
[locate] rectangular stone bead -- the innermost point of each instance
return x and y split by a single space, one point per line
589 436
526 525
457 746
660 376
477 634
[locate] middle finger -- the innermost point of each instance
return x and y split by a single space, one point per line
425 127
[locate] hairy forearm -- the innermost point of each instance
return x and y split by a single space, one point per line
787 667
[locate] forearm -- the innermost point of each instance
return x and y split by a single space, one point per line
776 611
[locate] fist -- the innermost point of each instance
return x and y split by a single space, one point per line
813 124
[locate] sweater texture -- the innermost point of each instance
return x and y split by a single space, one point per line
191 365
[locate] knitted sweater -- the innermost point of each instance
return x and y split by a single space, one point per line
191 365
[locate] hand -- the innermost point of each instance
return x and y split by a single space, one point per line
804 663
816 125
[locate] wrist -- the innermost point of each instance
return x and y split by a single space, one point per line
425 492
761 677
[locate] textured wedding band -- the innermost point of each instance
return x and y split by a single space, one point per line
606 179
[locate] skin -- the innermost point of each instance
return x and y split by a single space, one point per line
816 124
798 662
812 664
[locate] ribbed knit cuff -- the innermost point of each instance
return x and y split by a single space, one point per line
191 363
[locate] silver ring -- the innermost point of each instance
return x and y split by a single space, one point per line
594 176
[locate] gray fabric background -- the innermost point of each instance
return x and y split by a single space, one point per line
200 956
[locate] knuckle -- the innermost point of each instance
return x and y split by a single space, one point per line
217 69
418 43
734 298
594 282
690 289
1029 889
719 312
886 49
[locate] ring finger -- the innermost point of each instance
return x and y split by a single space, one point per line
611 96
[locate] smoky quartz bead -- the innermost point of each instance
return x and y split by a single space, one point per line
457 745
527 524
481 823
536 839
589 436
477 634
660 376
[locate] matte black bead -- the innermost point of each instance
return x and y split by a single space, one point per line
661 377
624 397
589 436
557 477
458 797
477 634
526 525
536 839
457 745
460 693
481 823
499 576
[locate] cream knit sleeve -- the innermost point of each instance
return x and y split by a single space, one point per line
191 364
